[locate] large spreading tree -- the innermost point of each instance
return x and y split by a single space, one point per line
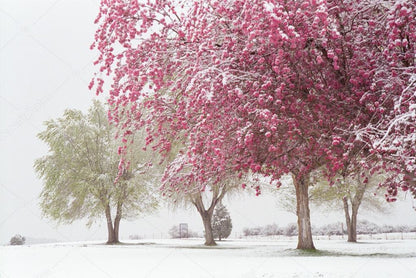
264 86
81 174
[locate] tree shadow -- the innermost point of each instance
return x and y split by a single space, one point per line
202 247
326 253
120 244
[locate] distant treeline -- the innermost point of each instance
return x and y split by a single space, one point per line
363 227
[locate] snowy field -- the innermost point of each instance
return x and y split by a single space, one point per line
232 258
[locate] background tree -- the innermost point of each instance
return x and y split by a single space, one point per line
203 197
81 174
348 192
351 192
182 188
17 240
174 232
221 222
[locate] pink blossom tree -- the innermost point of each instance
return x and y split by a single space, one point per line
263 86
183 188
393 136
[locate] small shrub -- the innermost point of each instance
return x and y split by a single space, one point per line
17 240
134 237
175 233
291 230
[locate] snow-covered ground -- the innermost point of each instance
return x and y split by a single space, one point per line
232 258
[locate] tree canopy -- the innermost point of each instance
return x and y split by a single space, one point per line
81 174
265 86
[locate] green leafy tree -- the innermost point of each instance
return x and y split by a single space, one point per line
81 173
221 222
351 192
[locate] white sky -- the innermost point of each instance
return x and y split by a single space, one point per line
45 68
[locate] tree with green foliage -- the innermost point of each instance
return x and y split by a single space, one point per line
81 173
221 222
351 192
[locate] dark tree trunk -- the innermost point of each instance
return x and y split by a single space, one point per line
117 220
351 221
305 240
352 230
110 228
116 229
206 214
209 237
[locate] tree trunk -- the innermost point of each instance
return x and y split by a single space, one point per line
117 220
305 240
355 205
352 237
352 230
351 221
209 237
116 229
110 229
206 214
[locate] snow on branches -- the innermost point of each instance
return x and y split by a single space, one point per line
266 86
393 136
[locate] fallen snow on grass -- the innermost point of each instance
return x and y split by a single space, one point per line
189 258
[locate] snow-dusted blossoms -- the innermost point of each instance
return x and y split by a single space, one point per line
267 86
